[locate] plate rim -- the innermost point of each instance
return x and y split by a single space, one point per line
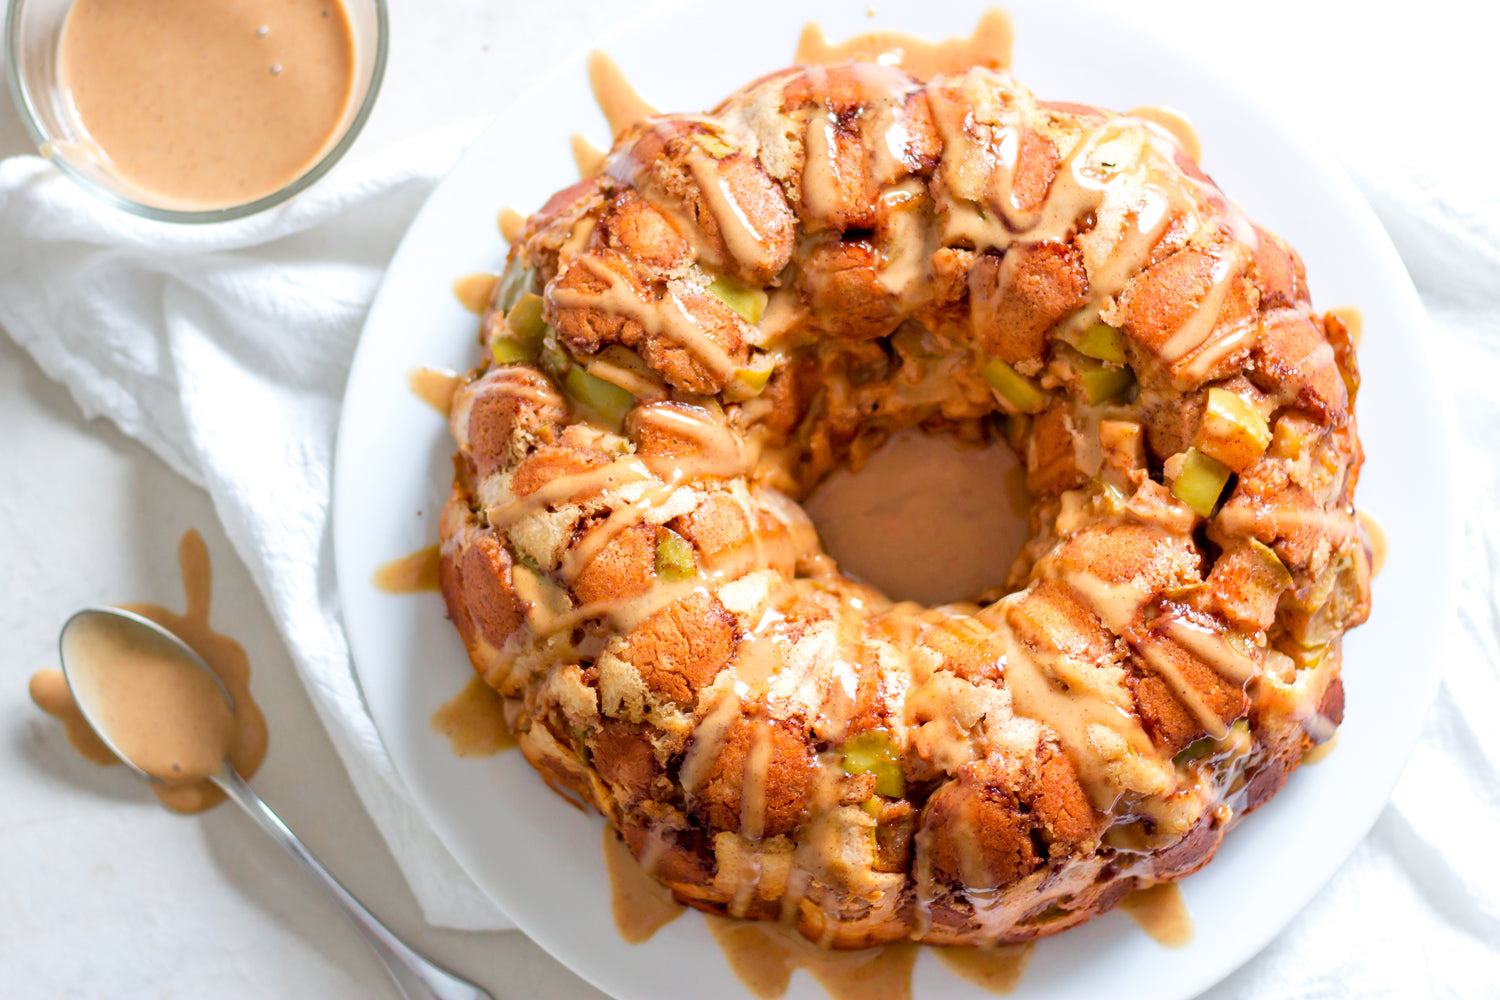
1379 240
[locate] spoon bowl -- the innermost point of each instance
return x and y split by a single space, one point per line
168 717
92 644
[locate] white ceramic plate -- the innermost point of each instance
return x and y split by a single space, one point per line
538 857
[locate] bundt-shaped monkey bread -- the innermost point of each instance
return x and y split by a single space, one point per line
738 303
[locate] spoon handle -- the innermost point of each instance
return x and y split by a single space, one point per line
414 976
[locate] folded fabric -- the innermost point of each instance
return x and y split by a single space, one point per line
225 349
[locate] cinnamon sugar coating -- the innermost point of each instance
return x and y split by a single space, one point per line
743 301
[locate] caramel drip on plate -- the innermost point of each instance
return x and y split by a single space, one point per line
764 956
1161 912
1379 543
587 157
989 45
474 291
925 519
622 106
997 969
512 223
410 574
642 905
247 746
474 721
1353 320
1320 752
435 387
1176 124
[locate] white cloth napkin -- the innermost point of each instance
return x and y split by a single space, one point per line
225 349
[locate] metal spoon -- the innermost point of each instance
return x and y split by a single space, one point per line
415 977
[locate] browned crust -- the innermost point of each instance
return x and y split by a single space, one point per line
615 707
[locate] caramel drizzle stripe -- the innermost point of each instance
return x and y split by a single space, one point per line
667 318
1185 692
1213 649
573 487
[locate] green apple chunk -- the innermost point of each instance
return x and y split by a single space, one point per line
1200 481
1015 388
1233 431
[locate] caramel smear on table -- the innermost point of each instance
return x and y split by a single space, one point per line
474 721
209 103
1177 124
642 905
475 290
586 156
247 747
512 222
989 45
434 386
1379 543
1161 912
622 106
410 574
997 969
49 689
764 956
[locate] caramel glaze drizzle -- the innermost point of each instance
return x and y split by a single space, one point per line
227 658
988 46
1161 913
1121 173
474 721
410 574
586 156
474 291
622 106
434 386
512 223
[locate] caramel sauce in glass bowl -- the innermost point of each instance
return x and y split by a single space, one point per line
195 110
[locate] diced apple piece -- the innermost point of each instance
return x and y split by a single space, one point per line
516 282
1233 431
1199 482
674 557
606 399
712 144
1103 342
525 319
749 302
1102 383
872 752
508 350
751 380
1015 388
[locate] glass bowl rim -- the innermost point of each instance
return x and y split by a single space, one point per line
31 120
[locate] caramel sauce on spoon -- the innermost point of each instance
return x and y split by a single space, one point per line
244 732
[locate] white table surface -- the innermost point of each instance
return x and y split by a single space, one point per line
103 893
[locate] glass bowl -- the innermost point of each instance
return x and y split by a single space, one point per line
33 30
